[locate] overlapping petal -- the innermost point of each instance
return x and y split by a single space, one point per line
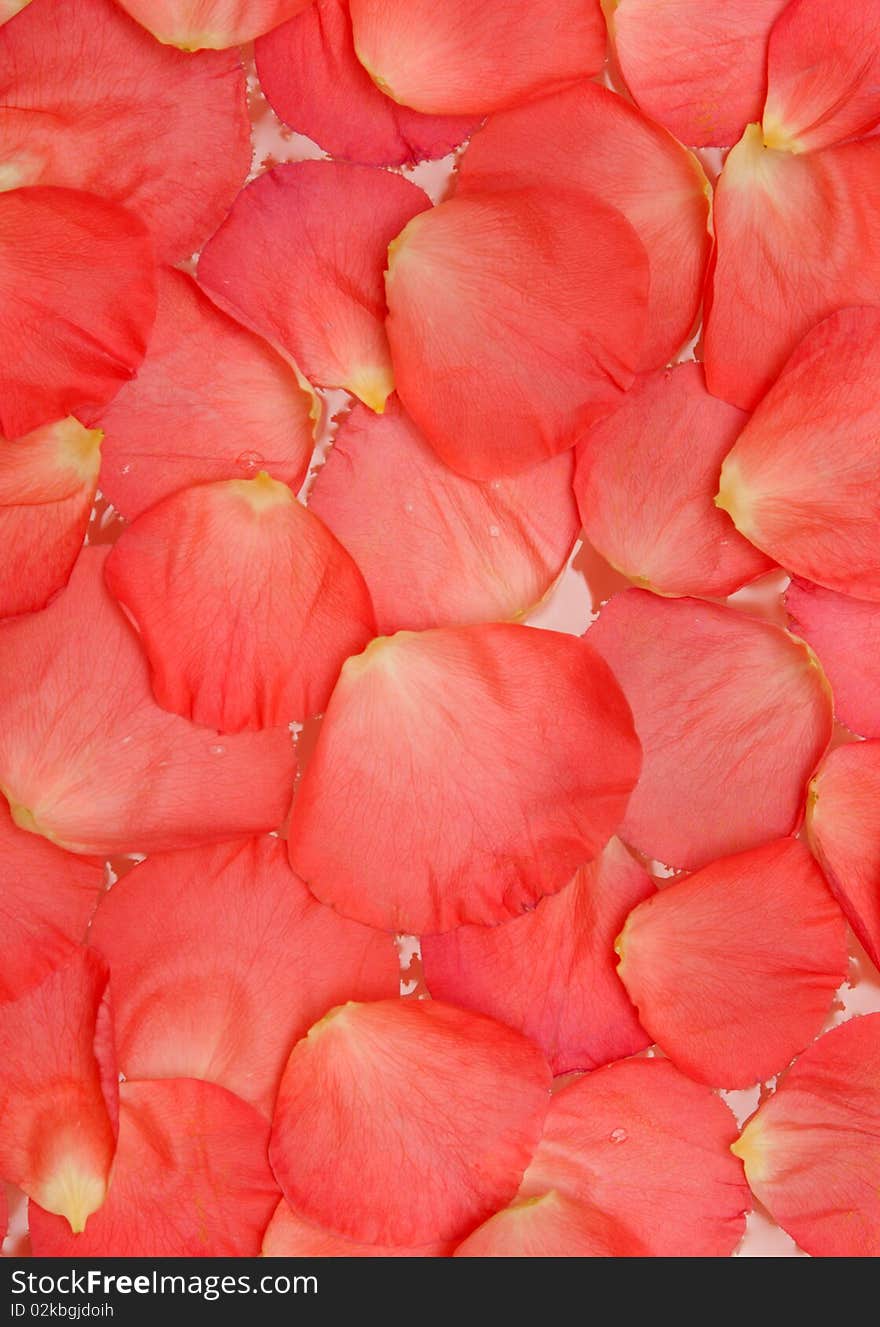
733 715
196 25
87 757
550 1226
460 775
845 633
288 1235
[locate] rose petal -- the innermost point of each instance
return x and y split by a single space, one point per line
288 1235
300 259
47 486
196 25
460 775
46 899
222 959
798 237
551 973
300 604
733 715
464 59
802 480
823 74
78 298
516 320
650 1150
90 101
843 825
550 1226
338 105
430 1114
437 549
660 189
845 633
88 759
57 1090
697 66
8 9
762 932
812 1152
191 1180
210 401
645 483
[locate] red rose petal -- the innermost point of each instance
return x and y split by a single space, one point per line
460 775
46 899
222 959
697 66
254 634
802 481
300 259
812 1151
650 1150
210 401
845 633
438 549
798 237
78 293
823 74
196 25
430 1114
464 59
314 82
89 760
762 933
90 101
516 321
843 824
645 483
733 716
550 1226
47 486
56 1079
288 1235
191 1180
630 163
551 973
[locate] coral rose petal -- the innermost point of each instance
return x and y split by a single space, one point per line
57 1090
802 481
798 237
460 775
8 10
338 105
288 1235
550 1226
823 74
48 482
582 136
77 304
843 824
222 960
551 973
88 759
645 483
812 1151
650 1150
191 1180
697 66
210 401
763 932
438 549
845 633
197 25
464 59
88 100
733 715
254 634
46 899
528 308
431 1115
300 259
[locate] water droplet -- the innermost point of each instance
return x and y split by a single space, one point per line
249 461
126 740
217 750
126 469
617 1136
494 531
496 484
408 507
